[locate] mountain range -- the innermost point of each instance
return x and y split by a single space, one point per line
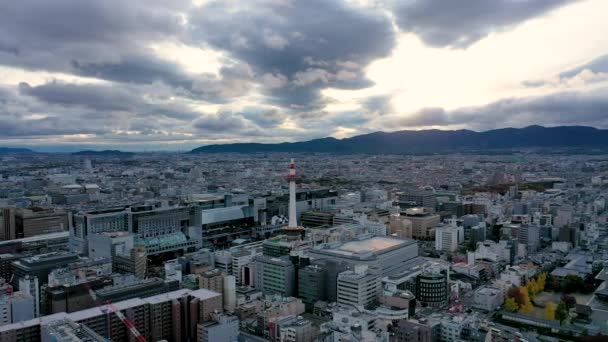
11 150
431 141
104 153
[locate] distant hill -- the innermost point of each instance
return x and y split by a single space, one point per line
430 141
105 153
9 150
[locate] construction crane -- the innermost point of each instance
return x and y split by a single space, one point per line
138 337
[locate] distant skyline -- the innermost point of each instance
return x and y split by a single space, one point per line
172 75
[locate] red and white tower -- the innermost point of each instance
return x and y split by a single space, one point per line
293 221
292 229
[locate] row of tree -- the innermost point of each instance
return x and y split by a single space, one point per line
520 298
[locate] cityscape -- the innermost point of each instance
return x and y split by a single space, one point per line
303 171
321 247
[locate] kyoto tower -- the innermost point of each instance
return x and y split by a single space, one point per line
293 229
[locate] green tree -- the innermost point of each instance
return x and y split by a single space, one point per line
550 311
561 313
511 305
569 301
573 283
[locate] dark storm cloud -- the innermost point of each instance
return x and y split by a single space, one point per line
568 108
268 118
89 95
460 23
50 35
136 69
104 98
312 43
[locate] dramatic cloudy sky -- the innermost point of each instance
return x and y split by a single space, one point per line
156 74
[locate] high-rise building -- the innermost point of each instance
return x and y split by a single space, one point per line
295 329
160 228
413 331
312 285
448 237
37 221
275 275
361 287
170 316
41 265
530 236
30 285
136 288
221 328
16 307
66 330
212 280
240 259
8 229
423 223
432 288
416 197
229 294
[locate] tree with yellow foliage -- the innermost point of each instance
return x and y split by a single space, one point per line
511 305
550 311
526 305
532 288
541 281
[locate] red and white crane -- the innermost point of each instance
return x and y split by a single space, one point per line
138 337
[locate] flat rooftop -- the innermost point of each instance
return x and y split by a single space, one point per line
374 246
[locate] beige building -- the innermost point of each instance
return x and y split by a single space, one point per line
423 223
212 280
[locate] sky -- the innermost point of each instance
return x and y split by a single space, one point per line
174 75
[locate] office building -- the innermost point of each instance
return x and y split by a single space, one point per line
530 236
312 285
160 228
423 223
488 298
448 237
222 328
361 287
170 316
229 294
8 230
294 329
30 286
413 331
240 259
68 287
317 219
16 307
416 197
37 221
136 288
41 265
275 275
66 330
135 262
386 253
432 288
212 280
